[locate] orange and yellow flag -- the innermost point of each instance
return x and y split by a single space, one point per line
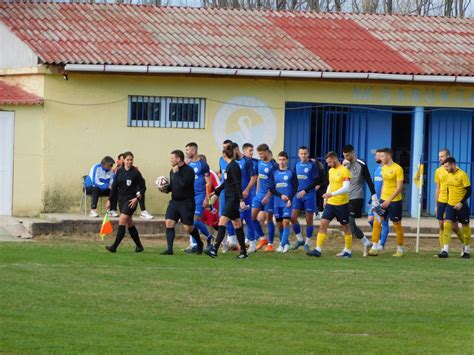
106 228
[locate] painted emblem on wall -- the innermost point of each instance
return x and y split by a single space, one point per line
245 119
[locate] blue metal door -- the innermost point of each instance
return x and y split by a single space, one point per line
453 130
297 128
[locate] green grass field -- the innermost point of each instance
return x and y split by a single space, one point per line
61 296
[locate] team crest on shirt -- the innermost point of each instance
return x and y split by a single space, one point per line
306 170
285 177
338 174
266 170
196 170
391 171
129 182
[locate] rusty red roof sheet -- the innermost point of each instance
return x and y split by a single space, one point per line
118 34
16 95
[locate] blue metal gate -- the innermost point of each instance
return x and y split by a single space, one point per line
453 130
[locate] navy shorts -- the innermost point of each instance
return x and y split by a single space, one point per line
340 212
441 209
231 208
125 208
393 211
462 215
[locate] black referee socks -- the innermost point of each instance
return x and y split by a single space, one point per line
134 234
239 232
170 233
220 237
119 237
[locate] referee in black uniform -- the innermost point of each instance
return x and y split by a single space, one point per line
182 205
128 188
234 201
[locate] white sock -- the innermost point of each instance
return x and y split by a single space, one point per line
233 239
308 241
318 249
400 249
375 246
347 251
446 248
299 237
270 243
253 243
365 241
467 249
191 241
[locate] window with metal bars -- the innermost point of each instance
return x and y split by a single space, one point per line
166 112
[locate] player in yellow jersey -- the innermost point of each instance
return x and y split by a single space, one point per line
441 197
336 205
459 191
391 202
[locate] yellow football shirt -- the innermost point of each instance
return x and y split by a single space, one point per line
336 178
441 178
391 174
457 183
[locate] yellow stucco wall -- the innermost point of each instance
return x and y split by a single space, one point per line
86 118
27 159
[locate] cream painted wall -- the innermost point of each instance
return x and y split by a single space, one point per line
27 159
86 118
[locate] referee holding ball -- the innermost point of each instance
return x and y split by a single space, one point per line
234 201
182 204
128 188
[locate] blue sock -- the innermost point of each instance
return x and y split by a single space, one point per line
285 236
258 229
309 231
271 232
297 228
230 228
247 217
371 223
384 234
201 227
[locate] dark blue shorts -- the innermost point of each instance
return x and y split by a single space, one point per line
340 212
441 208
462 215
394 211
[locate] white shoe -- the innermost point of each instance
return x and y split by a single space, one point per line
366 249
225 247
342 253
286 248
318 215
146 215
93 214
279 249
113 213
252 246
380 247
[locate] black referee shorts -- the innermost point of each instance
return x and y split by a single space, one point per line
181 210
125 208
231 208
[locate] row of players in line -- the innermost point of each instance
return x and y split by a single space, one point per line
284 193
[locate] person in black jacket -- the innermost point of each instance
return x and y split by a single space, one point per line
234 202
182 204
128 187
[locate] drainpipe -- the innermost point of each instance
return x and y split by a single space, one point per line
417 151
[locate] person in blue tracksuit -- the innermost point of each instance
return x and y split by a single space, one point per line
284 188
248 150
99 181
378 182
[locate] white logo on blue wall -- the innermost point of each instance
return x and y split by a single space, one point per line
245 119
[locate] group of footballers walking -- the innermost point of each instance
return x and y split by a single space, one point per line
264 191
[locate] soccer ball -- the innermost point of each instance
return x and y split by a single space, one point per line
161 182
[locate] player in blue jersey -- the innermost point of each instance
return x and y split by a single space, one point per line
201 181
263 199
249 180
307 173
284 188
378 182
248 150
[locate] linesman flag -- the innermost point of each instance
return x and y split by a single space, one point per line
419 175
106 228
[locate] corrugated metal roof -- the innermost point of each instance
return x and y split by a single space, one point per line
73 33
16 95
